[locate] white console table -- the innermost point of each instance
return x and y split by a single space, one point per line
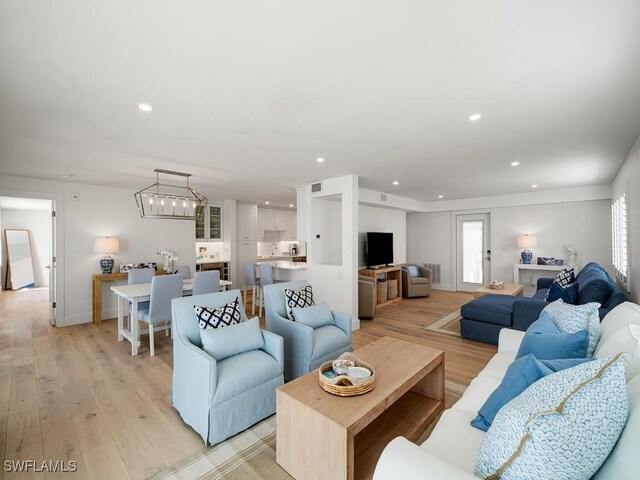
532 266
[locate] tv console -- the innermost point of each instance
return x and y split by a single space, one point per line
390 273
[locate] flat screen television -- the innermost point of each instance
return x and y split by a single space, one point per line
379 248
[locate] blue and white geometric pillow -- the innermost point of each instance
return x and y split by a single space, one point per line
572 318
297 298
210 317
565 278
563 426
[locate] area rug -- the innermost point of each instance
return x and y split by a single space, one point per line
449 324
252 453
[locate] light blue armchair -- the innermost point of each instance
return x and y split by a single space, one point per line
305 348
220 399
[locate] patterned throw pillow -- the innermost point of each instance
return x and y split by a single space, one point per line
565 278
563 426
572 318
211 317
297 298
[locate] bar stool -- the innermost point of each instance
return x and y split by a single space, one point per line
250 280
266 278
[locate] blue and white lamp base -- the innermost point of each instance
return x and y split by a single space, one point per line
526 256
106 265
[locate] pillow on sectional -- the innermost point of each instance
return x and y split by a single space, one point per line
315 316
218 317
571 318
563 426
239 338
297 298
594 286
545 341
521 373
568 294
565 277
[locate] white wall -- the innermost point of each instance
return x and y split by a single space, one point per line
326 231
100 211
628 181
38 222
379 219
586 225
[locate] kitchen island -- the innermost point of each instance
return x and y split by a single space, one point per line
287 271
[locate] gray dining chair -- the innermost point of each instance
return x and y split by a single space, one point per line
184 270
206 282
164 288
250 280
266 278
140 275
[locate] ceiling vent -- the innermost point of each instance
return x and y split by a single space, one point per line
316 187
383 197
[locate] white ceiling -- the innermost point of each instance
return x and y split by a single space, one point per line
247 94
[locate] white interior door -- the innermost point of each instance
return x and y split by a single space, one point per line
473 246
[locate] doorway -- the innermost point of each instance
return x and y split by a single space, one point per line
36 219
473 251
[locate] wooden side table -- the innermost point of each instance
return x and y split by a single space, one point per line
98 279
391 273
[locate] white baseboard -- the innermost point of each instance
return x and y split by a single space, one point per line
441 286
355 324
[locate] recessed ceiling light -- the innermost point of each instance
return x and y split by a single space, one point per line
535 185
515 164
266 203
67 175
440 196
145 107
395 182
291 205
475 117
319 159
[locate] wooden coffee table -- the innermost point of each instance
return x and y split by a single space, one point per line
321 436
509 289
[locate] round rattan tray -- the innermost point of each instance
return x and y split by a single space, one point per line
344 385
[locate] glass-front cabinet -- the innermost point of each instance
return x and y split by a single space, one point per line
209 225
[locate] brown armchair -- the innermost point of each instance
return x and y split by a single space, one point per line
416 286
366 296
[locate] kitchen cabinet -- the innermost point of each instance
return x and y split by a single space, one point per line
291 231
246 222
209 225
284 221
246 251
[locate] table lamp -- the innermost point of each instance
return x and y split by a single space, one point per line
527 242
106 245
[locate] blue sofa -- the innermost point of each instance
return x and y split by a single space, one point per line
483 318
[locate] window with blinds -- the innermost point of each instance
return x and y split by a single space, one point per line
619 240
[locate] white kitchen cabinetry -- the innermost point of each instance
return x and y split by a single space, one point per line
209 225
284 221
245 252
246 222
291 232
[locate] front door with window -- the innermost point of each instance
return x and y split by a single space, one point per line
473 248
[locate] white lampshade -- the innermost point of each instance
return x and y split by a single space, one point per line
527 241
106 245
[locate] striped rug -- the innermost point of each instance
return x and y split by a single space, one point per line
252 453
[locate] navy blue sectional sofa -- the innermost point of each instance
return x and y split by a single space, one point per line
483 318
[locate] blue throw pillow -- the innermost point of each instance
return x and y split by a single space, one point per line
315 316
568 294
235 339
545 341
412 270
523 372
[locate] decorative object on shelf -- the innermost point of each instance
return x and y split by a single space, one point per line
169 259
132 266
165 200
546 261
559 262
571 255
496 285
107 246
353 382
526 242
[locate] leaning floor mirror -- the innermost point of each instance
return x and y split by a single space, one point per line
20 272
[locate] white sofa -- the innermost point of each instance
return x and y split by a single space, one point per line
451 450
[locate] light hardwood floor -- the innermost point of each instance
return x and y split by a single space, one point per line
75 393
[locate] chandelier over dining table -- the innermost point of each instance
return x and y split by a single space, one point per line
167 200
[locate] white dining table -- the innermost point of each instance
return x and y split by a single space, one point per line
134 294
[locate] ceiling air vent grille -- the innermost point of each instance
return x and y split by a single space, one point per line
383 197
316 187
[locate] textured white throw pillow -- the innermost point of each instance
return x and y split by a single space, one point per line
563 426
572 318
